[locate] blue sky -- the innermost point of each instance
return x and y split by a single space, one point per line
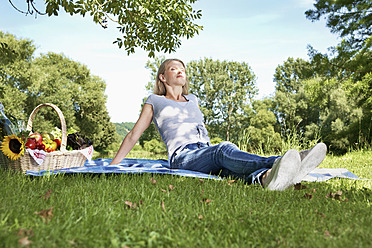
262 33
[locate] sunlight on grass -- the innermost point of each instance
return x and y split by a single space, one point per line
153 210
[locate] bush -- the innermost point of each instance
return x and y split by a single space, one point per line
155 146
216 140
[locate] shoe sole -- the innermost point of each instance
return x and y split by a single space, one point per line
311 161
285 171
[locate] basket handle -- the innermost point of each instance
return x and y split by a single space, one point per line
61 118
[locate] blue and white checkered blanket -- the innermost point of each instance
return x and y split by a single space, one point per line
159 167
135 166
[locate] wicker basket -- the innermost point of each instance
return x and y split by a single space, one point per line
54 160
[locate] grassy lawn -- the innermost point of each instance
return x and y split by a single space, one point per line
171 211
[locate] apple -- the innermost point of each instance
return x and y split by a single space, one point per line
38 137
31 143
58 141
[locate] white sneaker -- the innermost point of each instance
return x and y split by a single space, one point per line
284 170
310 159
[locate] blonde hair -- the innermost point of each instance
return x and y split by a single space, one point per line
159 88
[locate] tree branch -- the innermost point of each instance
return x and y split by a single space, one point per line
31 8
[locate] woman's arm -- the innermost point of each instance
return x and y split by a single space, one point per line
132 137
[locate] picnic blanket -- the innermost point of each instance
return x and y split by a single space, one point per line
138 166
127 166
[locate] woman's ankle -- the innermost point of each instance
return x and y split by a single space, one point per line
264 176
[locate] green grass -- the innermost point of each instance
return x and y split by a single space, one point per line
91 211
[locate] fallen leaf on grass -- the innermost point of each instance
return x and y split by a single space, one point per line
72 242
320 213
206 201
24 232
327 234
45 214
133 205
203 199
153 181
308 196
336 196
200 217
24 241
231 182
163 206
46 195
128 204
299 186
170 189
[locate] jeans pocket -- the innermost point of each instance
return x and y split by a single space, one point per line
177 160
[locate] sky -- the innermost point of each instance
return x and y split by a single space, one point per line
262 33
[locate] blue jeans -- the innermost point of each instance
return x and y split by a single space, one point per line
224 159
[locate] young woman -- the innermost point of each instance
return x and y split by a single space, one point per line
179 120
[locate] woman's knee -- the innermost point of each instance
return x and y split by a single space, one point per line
226 145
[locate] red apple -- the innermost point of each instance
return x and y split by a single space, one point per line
58 141
37 137
31 143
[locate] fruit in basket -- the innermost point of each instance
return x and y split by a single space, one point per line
37 137
40 146
47 136
54 145
58 141
49 149
31 143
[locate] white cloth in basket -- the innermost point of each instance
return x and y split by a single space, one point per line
39 155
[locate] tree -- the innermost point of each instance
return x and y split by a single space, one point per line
338 122
154 26
224 89
361 94
289 75
123 128
27 82
153 67
290 106
16 74
312 106
71 86
261 130
349 62
351 19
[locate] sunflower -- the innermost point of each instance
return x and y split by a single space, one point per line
12 147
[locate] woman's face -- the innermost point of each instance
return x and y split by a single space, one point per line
174 75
